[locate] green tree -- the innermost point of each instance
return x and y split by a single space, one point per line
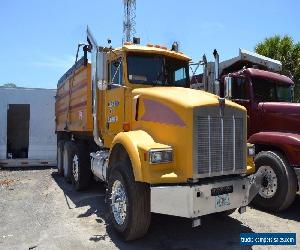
284 49
8 85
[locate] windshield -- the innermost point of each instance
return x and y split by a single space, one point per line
266 90
157 70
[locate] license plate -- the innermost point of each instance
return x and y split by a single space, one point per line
221 190
222 200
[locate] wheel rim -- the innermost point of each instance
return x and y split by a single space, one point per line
118 202
269 182
75 167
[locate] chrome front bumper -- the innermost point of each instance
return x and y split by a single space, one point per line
197 200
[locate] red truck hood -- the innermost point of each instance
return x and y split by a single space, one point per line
280 116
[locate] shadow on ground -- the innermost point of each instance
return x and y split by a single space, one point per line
27 168
166 232
293 212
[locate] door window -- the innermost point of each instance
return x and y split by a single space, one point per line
239 88
116 72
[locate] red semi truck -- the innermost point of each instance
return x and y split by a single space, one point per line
253 81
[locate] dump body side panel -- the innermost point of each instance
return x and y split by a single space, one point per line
73 106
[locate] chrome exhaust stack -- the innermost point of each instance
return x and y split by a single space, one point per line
97 76
216 87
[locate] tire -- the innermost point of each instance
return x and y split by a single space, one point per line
135 219
279 183
69 147
81 167
60 161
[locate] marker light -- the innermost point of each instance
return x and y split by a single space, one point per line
251 150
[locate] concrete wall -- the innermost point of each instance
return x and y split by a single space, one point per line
42 138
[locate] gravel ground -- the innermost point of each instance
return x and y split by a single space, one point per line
39 210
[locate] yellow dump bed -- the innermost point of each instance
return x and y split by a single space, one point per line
73 105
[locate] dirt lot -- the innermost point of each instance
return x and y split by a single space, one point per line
39 210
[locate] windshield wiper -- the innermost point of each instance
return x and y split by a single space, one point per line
158 76
162 73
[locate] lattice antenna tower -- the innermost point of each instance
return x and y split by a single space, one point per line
129 20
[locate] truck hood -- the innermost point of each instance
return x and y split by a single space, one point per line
172 116
281 116
183 97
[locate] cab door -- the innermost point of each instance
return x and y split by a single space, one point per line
240 95
114 99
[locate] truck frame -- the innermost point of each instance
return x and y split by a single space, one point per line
129 119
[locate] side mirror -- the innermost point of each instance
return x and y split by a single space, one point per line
227 87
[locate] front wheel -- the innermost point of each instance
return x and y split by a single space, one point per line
278 186
129 203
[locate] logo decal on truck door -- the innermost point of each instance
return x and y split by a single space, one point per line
112 119
113 103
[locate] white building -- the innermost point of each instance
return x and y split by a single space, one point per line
27 127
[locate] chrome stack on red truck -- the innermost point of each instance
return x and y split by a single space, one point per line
273 120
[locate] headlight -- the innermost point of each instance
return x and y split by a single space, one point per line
251 150
160 155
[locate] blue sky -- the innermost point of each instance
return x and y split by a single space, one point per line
38 38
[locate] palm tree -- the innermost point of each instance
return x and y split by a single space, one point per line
287 51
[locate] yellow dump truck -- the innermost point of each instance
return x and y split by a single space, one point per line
129 119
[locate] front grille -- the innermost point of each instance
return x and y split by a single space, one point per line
219 144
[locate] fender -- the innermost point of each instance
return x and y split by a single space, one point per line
289 143
130 141
136 144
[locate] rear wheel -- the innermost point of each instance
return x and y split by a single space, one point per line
81 169
60 154
68 153
279 185
129 203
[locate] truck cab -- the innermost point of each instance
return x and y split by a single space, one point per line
134 67
268 98
273 121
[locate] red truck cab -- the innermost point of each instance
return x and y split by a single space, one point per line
273 121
